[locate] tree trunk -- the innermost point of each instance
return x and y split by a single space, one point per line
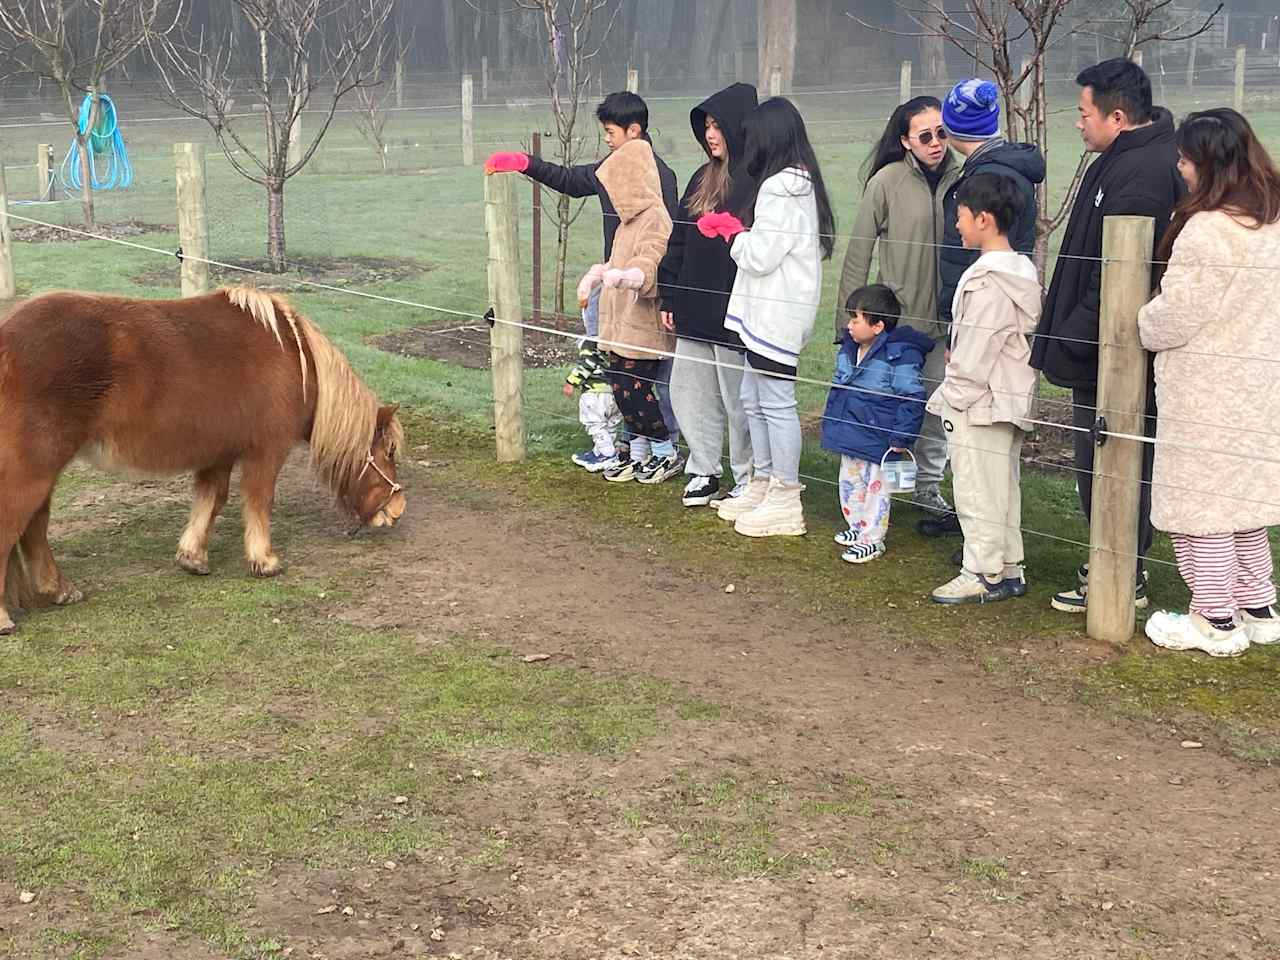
450 27
777 42
933 53
562 250
86 178
275 224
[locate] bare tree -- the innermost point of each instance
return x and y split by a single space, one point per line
993 32
574 33
373 100
304 51
74 43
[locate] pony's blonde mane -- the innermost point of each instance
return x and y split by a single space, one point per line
346 413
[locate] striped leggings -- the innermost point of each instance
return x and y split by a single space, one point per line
1226 571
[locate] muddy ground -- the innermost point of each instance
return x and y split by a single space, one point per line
981 818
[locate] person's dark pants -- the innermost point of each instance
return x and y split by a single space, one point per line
1083 414
634 385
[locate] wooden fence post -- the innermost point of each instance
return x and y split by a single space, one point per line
44 170
1026 91
904 82
1191 66
400 81
775 81
537 234
1241 53
484 79
8 285
506 340
193 218
633 81
647 77
468 121
1122 396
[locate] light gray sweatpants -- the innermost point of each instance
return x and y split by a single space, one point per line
774 423
706 393
930 448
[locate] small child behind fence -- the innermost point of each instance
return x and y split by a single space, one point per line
597 411
875 407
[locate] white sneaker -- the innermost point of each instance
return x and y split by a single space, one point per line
780 513
1182 631
1261 630
731 508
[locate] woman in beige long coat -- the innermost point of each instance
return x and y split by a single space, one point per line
1215 330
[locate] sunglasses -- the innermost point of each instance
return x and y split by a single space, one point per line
926 136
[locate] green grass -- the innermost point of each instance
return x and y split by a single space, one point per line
167 743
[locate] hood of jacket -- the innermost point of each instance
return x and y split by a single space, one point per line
630 176
1024 158
1005 270
728 108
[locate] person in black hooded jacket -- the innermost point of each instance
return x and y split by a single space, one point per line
695 279
1135 174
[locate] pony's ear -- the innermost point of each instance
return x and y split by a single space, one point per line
385 414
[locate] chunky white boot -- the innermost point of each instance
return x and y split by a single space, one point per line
731 508
779 514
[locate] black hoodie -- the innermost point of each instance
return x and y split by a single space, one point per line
1022 163
696 275
1136 176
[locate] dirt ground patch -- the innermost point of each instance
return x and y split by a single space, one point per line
467 345
994 822
345 271
38 233
857 796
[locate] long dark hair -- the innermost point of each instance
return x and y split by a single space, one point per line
1234 172
889 149
775 140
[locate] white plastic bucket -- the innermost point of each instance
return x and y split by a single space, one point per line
898 476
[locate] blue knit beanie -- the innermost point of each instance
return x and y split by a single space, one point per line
972 110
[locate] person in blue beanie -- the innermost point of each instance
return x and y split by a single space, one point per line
875 406
971 116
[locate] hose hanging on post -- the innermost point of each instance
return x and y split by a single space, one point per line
105 139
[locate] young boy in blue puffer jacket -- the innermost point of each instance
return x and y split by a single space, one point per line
876 405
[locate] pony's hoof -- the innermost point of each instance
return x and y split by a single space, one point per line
193 564
268 567
67 595
7 626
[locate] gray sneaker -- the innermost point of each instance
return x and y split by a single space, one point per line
928 498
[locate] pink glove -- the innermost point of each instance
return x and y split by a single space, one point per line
589 280
507 163
719 225
632 278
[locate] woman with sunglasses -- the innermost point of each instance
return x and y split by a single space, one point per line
906 176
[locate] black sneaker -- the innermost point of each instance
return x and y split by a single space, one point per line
946 526
700 491
658 469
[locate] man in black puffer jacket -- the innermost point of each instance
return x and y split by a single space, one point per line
971 116
1135 174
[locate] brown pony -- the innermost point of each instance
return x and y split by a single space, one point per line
158 387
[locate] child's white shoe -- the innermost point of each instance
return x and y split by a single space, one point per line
1183 631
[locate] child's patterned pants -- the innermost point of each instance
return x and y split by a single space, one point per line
1226 571
864 500
599 416
636 395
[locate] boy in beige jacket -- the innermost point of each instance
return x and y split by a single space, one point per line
985 399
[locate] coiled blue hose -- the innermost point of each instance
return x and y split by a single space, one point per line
104 140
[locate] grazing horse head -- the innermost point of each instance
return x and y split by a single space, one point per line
354 441
375 496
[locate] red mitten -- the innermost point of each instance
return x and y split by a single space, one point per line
719 225
507 163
